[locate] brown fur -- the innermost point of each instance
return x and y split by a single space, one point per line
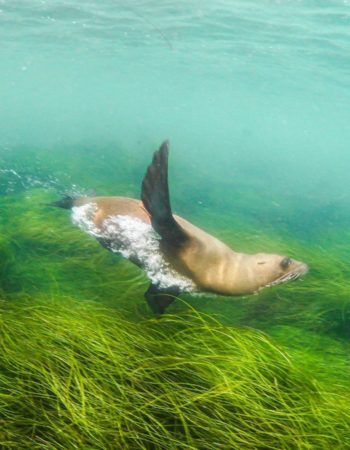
207 261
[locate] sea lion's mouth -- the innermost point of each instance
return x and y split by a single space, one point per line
301 270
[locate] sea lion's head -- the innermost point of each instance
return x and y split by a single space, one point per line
270 270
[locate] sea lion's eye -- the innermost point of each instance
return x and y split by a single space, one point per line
285 263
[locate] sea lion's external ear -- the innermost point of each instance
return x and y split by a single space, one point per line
155 197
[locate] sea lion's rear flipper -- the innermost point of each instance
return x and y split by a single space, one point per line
155 197
66 202
159 299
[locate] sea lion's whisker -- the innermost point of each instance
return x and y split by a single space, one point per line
288 277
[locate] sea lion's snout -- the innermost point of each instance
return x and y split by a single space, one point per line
303 268
290 270
291 266
271 270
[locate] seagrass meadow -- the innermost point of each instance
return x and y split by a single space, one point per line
83 364
254 98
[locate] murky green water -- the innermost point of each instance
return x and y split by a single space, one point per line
254 98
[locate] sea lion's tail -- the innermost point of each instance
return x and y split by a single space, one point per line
66 202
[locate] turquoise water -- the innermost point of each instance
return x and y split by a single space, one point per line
244 90
254 97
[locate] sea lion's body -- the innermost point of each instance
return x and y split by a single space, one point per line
208 262
176 255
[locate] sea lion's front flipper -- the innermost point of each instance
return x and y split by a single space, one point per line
155 197
159 299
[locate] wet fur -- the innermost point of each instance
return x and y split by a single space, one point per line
209 263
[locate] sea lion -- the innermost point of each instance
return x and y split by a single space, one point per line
176 255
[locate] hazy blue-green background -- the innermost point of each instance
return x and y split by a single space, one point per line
253 95
245 90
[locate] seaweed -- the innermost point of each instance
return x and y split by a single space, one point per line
83 363
78 375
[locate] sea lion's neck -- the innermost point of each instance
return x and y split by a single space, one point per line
242 276
238 274
232 274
